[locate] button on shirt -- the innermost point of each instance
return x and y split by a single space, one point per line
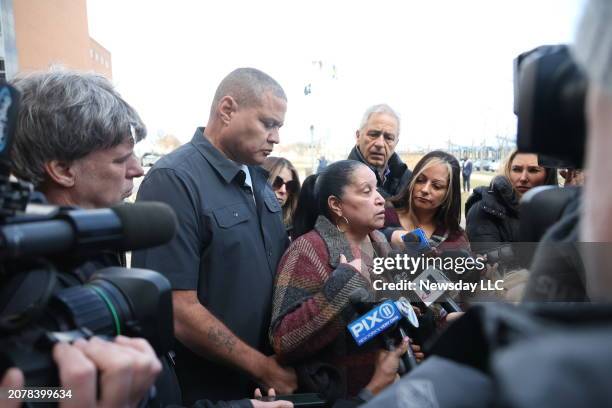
226 248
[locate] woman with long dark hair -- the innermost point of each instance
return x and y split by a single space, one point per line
431 202
336 238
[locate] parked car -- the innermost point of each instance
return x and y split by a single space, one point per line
477 165
149 159
494 166
485 165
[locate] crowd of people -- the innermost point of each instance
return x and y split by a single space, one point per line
262 266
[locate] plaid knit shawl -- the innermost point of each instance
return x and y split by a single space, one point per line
311 306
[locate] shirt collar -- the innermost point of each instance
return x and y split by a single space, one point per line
224 166
247 175
386 173
376 170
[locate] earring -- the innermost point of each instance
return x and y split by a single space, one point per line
345 220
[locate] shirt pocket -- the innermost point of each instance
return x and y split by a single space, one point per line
231 215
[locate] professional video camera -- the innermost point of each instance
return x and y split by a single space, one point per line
549 98
50 288
549 101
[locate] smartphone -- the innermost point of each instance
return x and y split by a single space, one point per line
300 400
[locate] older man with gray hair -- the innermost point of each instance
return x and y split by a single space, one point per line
74 139
376 140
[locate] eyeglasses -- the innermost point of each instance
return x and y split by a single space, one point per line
291 186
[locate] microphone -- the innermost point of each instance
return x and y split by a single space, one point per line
363 300
416 242
428 297
139 229
418 236
427 273
124 227
387 318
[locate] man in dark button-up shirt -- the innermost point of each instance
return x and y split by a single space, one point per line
230 238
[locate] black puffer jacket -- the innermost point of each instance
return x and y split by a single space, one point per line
492 215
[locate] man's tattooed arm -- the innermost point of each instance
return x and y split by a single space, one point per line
222 338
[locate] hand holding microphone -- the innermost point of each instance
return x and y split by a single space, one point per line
413 242
389 319
387 367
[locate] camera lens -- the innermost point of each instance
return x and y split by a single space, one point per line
98 306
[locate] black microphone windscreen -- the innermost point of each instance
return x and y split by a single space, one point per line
145 224
411 237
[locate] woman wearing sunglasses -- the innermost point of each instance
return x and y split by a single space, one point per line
284 179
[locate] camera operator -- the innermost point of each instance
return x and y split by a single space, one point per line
74 141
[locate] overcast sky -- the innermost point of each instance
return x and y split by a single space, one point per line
445 66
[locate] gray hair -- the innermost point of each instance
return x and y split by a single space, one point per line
246 86
66 115
380 108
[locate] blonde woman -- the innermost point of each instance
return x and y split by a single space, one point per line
285 181
492 212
